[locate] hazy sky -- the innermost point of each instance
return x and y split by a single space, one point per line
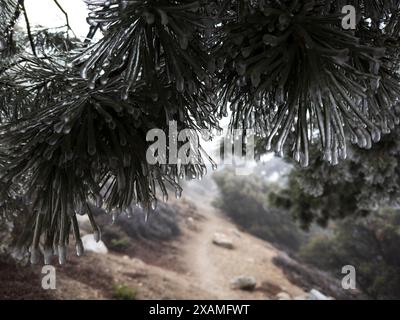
46 13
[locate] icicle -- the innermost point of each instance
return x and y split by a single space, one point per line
279 147
297 156
47 254
154 96
62 253
99 200
34 250
53 139
129 211
343 153
242 81
114 216
149 17
361 139
255 78
125 95
55 247
164 17
391 123
48 154
35 255
268 145
328 155
369 141
305 159
335 159
178 193
154 204
18 253
92 84
184 42
80 250
67 128
59 126
3 44
165 197
375 84
96 229
180 84
246 51
203 172
97 235
104 80
84 72
126 160
241 68
376 134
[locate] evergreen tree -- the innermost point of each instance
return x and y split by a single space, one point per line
245 201
74 128
9 13
369 244
359 186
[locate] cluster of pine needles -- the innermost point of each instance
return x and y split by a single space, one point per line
74 122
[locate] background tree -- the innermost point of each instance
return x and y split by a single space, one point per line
245 201
370 245
76 133
365 182
9 13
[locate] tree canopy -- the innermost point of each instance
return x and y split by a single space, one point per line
74 121
367 181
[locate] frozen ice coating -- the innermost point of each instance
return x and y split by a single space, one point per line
254 125
3 44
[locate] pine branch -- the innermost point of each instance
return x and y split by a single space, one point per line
289 69
81 146
9 13
360 186
73 135
144 40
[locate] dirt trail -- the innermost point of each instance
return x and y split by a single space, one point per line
212 268
195 269
200 259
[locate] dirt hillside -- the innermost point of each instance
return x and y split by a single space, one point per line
189 267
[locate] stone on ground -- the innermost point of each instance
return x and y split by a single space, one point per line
222 240
316 295
244 283
90 244
283 296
